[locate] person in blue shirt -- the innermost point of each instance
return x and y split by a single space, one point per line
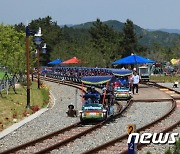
97 94
123 81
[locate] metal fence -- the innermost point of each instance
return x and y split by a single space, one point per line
7 83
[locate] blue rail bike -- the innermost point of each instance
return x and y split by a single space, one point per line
122 84
96 104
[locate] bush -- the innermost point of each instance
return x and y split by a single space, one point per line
176 149
168 151
35 108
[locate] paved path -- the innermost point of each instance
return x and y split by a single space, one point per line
149 93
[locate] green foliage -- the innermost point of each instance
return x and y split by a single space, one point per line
105 41
168 151
45 95
129 39
145 37
164 78
177 147
12 49
95 43
148 152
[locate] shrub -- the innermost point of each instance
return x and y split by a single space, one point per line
35 108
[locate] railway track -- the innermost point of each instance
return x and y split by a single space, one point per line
64 136
164 124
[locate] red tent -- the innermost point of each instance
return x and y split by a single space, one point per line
73 60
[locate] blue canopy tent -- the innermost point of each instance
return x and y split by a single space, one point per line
133 59
55 62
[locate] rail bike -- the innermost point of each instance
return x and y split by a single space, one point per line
97 105
122 84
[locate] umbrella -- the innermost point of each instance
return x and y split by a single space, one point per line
133 59
73 60
55 62
175 61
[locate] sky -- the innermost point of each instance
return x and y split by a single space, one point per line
148 14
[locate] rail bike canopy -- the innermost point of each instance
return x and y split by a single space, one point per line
121 72
94 80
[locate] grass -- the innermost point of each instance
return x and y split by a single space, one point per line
164 78
2 75
13 106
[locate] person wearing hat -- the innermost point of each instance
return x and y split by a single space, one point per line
71 111
93 90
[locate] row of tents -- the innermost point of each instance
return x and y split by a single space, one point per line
132 59
73 60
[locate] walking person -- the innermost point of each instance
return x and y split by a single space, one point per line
135 79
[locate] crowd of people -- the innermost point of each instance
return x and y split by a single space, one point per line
75 74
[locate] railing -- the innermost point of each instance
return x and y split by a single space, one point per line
8 82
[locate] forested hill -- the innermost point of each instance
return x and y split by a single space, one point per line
101 43
146 37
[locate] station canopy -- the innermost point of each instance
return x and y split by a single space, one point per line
133 59
93 80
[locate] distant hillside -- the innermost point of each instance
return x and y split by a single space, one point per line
116 25
147 38
176 31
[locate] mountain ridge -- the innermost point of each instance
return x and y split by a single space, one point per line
146 37
174 31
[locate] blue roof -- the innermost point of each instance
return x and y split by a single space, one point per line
95 79
133 59
121 72
55 62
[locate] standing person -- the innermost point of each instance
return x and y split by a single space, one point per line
135 79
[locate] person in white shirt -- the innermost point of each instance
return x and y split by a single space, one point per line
135 79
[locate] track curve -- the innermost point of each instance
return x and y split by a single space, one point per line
119 145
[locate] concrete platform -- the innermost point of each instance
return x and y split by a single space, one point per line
150 93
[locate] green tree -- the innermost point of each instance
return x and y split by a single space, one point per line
51 34
12 49
105 40
129 42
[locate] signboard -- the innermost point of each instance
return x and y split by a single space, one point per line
131 128
131 145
